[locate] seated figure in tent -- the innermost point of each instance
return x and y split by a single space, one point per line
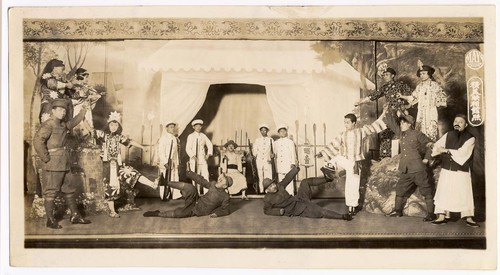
231 165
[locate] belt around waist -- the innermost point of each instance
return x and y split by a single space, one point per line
57 149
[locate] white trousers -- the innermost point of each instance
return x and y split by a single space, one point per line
351 180
264 170
202 171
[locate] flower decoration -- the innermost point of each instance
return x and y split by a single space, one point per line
46 76
381 69
115 116
53 94
45 117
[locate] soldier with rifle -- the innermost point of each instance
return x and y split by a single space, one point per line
169 160
263 156
199 148
286 156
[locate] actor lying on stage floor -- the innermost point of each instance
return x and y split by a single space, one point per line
278 202
214 203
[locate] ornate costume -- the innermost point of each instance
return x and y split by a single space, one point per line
429 96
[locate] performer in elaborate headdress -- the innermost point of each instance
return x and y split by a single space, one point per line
119 179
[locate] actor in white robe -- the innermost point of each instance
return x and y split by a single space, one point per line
199 154
286 156
262 153
454 188
168 146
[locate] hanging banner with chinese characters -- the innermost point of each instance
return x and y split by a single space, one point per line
306 155
474 73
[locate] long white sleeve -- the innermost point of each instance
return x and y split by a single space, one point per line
462 154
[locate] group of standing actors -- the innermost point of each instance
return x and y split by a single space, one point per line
275 160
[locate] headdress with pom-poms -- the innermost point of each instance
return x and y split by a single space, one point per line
381 68
115 116
420 64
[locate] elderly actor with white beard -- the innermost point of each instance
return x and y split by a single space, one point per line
454 188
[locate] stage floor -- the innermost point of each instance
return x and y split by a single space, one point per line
247 226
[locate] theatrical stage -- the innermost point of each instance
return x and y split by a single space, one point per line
248 227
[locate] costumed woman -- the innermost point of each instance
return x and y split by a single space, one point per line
84 92
119 179
232 166
429 96
53 85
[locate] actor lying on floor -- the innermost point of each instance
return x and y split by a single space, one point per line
214 203
278 202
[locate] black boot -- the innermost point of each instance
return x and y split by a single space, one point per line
329 173
49 211
347 217
398 208
52 223
430 210
77 219
155 213
353 211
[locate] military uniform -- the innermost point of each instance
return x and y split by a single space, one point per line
50 145
215 201
281 203
413 170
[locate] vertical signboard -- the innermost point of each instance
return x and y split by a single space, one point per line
474 73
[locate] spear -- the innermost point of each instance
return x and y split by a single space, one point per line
296 151
324 133
315 161
305 133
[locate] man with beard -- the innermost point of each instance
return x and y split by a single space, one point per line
454 189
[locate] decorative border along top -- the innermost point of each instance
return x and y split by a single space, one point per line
404 29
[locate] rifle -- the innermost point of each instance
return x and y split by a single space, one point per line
274 172
196 167
168 173
253 165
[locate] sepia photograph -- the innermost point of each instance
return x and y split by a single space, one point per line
253 131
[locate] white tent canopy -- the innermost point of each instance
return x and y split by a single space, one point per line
298 86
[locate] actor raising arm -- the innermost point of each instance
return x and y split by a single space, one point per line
346 151
214 203
413 171
50 145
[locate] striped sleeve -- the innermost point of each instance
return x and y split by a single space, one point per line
333 148
376 127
